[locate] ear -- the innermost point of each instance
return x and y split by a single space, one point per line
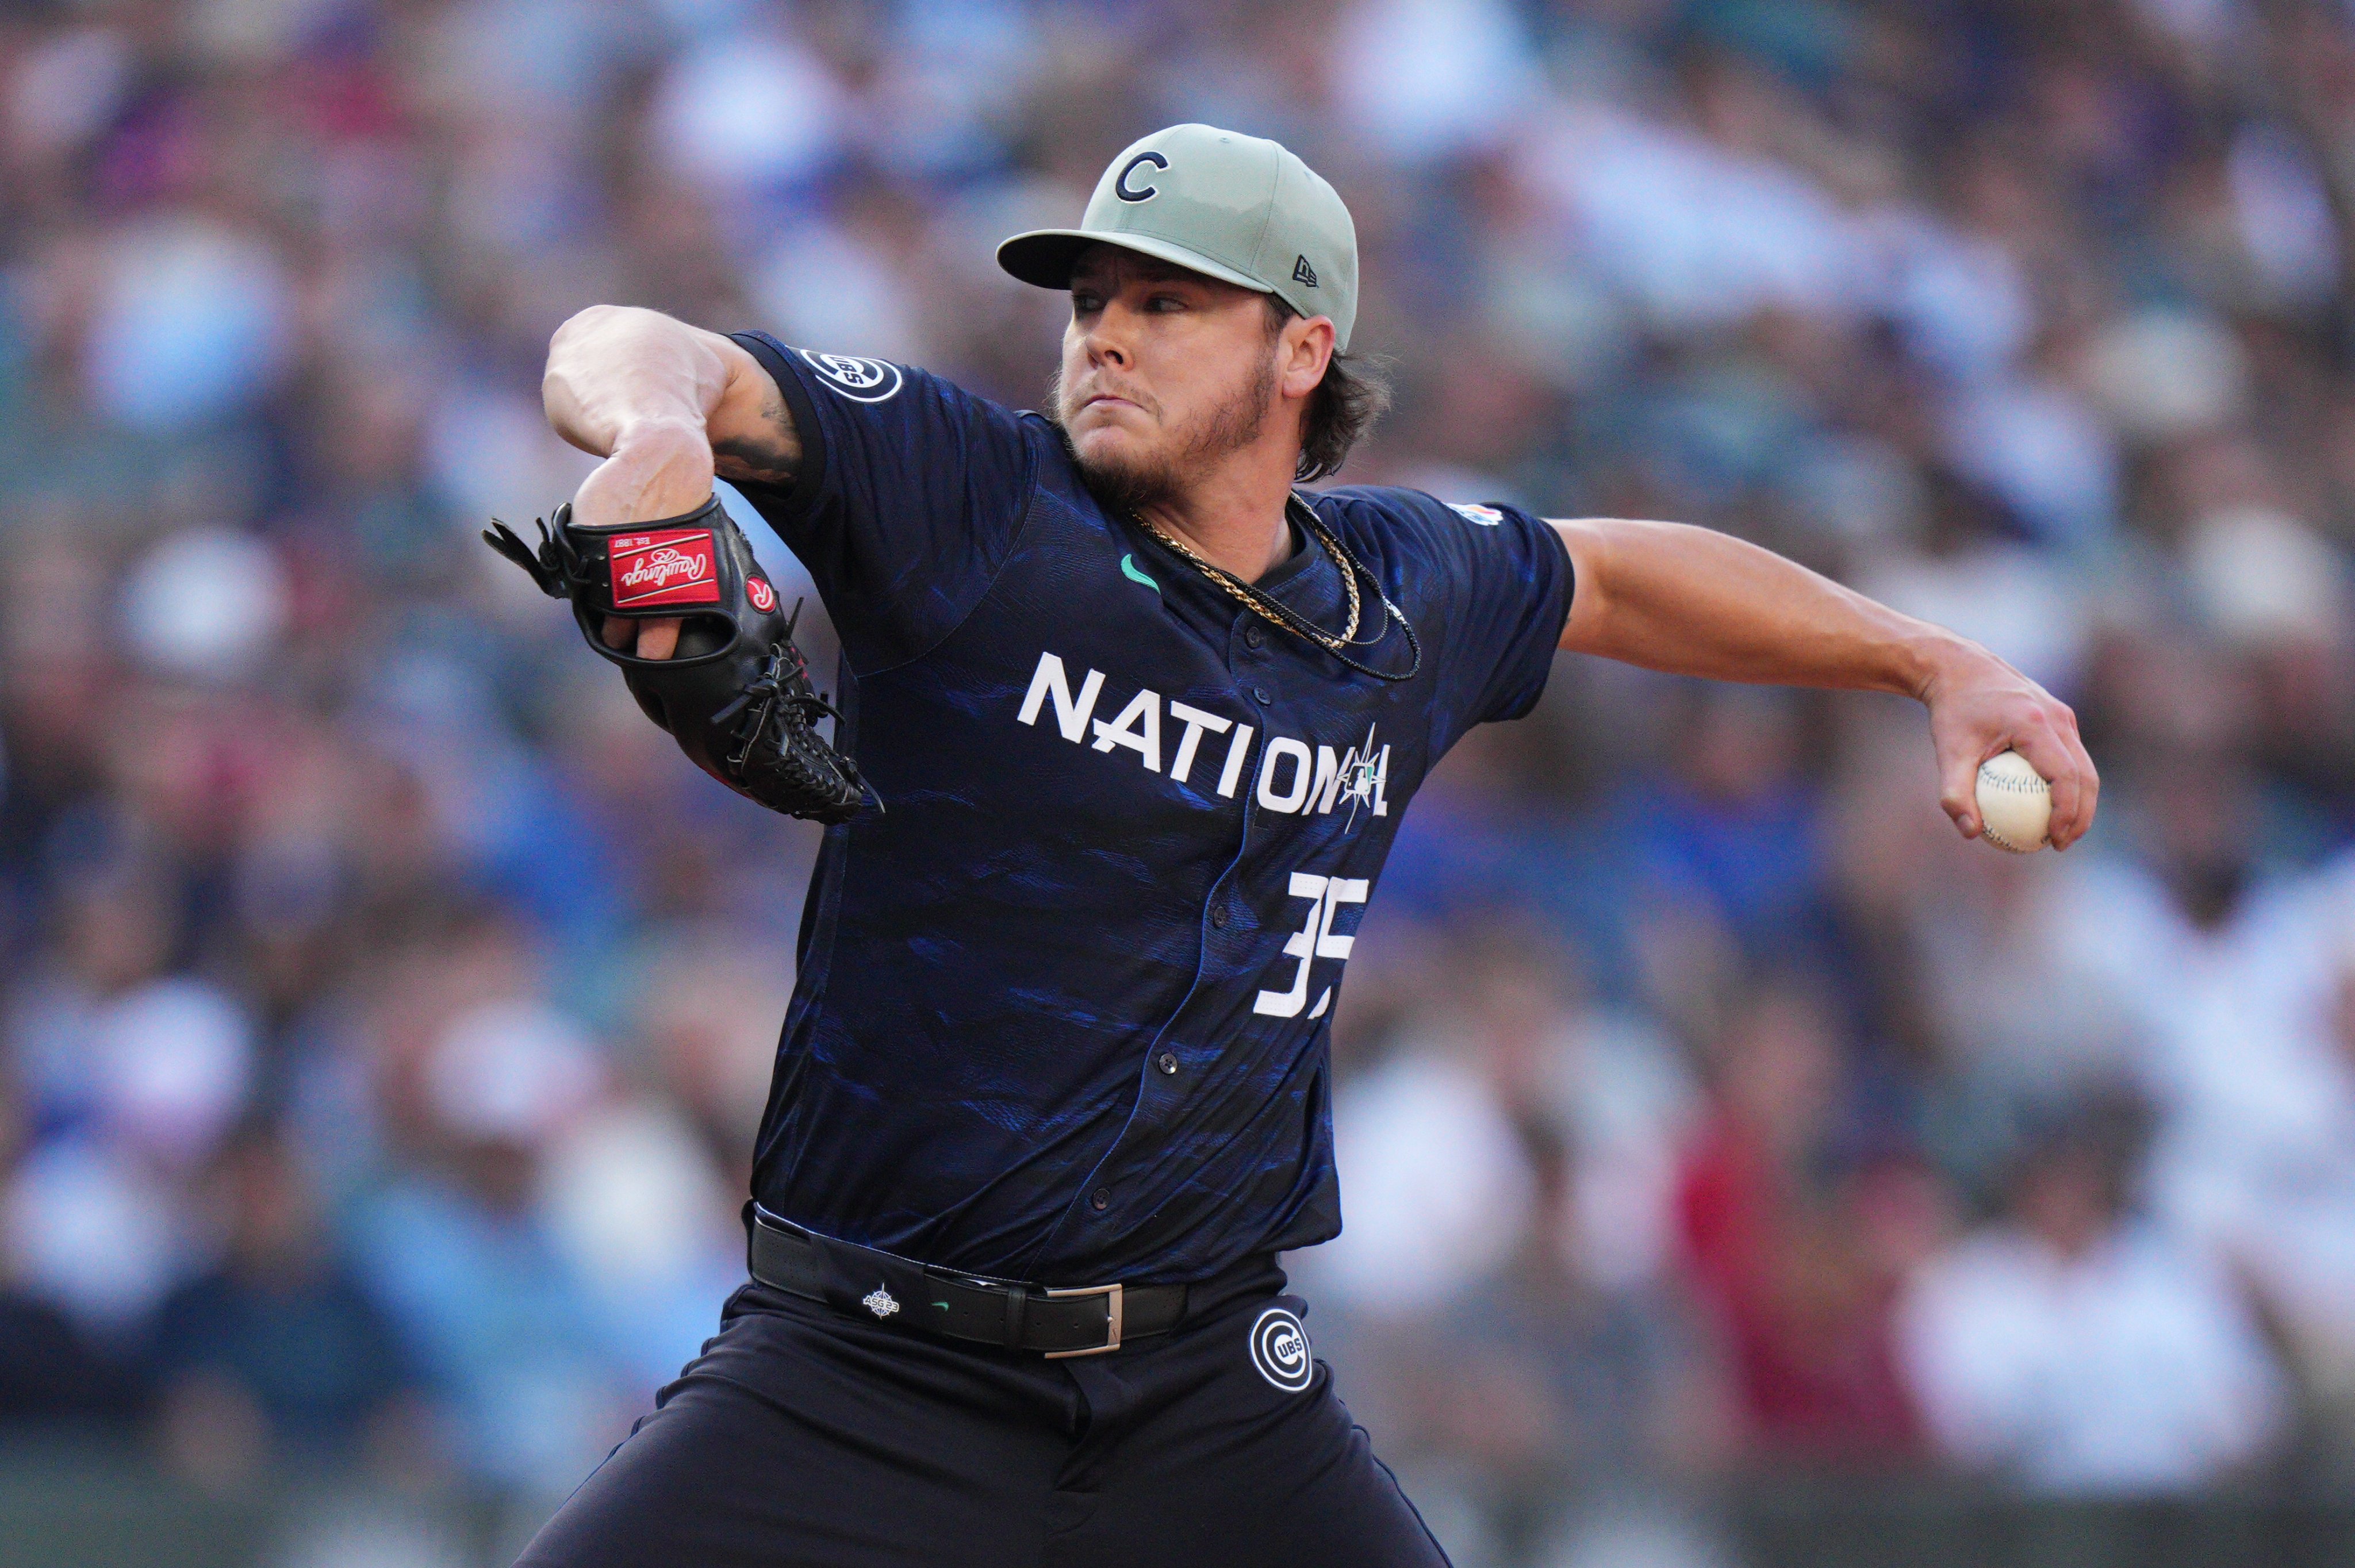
1304 349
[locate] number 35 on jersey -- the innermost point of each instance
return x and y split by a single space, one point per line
1313 941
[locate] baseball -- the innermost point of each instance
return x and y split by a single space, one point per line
2014 803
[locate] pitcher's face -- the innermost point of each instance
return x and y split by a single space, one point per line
1163 369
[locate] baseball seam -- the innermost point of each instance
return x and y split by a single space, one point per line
2010 785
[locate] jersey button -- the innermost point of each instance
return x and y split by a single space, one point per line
1252 636
1167 1062
1219 916
1100 1200
1259 694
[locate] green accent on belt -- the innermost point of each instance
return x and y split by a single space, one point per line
942 1304
1128 569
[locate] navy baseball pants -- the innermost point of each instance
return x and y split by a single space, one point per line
802 1435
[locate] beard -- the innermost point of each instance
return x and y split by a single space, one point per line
1132 484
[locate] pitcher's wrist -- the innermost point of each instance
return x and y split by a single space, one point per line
660 469
1935 662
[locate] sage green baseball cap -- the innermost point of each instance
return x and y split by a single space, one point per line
1240 209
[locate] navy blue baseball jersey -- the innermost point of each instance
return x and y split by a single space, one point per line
1063 1006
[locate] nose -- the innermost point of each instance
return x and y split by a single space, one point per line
1106 342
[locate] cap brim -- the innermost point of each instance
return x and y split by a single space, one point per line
1045 257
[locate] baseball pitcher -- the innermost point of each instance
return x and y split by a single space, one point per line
1135 719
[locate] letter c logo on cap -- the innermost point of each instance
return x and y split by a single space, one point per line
1120 187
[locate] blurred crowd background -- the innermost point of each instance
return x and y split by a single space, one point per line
387 1008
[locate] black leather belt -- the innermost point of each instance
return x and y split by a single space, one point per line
1081 1320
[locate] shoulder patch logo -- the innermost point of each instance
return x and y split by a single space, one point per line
1486 516
860 380
1279 1348
1303 273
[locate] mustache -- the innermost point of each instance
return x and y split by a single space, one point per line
1065 399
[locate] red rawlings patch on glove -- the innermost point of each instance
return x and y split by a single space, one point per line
764 597
675 566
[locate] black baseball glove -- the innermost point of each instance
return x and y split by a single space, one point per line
736 695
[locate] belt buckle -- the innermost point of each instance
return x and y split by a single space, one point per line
1112 1306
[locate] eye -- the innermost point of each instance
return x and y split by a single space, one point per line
1084 302
1165 303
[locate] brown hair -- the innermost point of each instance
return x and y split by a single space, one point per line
1354 394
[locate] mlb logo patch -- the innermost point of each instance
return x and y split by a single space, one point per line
675 566
1486 516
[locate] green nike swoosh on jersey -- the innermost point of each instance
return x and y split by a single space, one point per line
1128 569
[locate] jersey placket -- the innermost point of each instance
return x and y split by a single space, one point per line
1176 1062
1242 951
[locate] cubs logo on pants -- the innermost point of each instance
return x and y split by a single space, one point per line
1279 1347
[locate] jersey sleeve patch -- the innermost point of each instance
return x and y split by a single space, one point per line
908 497
861 379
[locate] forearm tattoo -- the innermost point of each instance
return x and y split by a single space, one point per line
770 454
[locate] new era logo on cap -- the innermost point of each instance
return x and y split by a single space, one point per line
1302 273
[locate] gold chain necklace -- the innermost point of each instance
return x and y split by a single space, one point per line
1283 616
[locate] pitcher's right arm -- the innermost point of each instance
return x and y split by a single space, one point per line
667 406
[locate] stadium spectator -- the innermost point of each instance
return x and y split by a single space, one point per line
1787 1233
2077 1349
277 1351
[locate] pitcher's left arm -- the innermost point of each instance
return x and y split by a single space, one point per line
1692 601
